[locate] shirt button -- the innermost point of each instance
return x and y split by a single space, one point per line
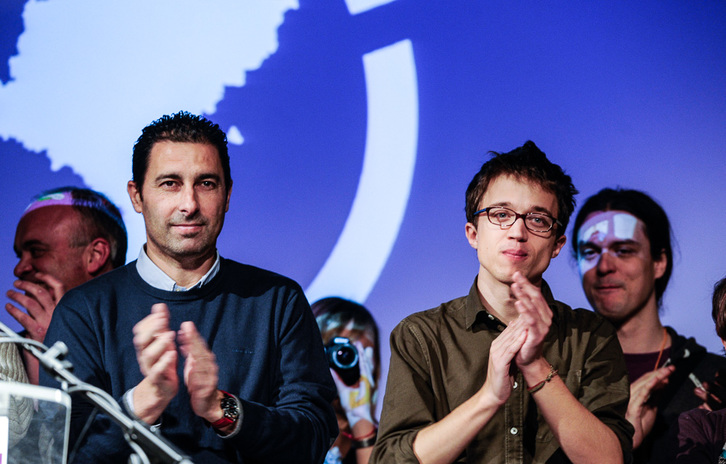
513 431
514 387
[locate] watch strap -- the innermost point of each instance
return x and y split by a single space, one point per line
231 410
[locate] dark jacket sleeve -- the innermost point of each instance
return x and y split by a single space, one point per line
301 425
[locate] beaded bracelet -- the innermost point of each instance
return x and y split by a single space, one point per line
537 387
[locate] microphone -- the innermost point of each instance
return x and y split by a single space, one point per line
50 358
54 358
142 440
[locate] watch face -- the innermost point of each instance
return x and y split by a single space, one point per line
229 406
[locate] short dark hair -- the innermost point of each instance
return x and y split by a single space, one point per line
530 163
644 208
182 127
99 218
718 311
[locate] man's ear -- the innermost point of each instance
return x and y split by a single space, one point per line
660 264
472 235
559 243
229 195
134 195
97 257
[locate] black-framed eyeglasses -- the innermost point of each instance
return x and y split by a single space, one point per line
505 218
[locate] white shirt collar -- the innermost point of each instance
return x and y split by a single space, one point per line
154 276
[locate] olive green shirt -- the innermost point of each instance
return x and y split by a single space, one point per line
439 360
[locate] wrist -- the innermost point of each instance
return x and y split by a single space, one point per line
365 441
488 398
215 412
225 416
148 402
535 371
535 387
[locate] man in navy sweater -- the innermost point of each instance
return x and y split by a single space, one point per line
226 360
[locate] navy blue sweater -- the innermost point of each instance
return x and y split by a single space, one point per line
267 346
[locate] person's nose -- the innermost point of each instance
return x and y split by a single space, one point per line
189 204
605 263
24 266
518 230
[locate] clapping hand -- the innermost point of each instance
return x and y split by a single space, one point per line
641 411
157 357
535 315
200 373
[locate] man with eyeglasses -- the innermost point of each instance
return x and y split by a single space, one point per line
507 373
622 242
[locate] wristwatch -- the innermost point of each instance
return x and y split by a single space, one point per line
230 408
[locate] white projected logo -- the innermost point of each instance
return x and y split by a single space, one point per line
89 75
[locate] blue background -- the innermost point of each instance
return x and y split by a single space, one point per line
628 94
